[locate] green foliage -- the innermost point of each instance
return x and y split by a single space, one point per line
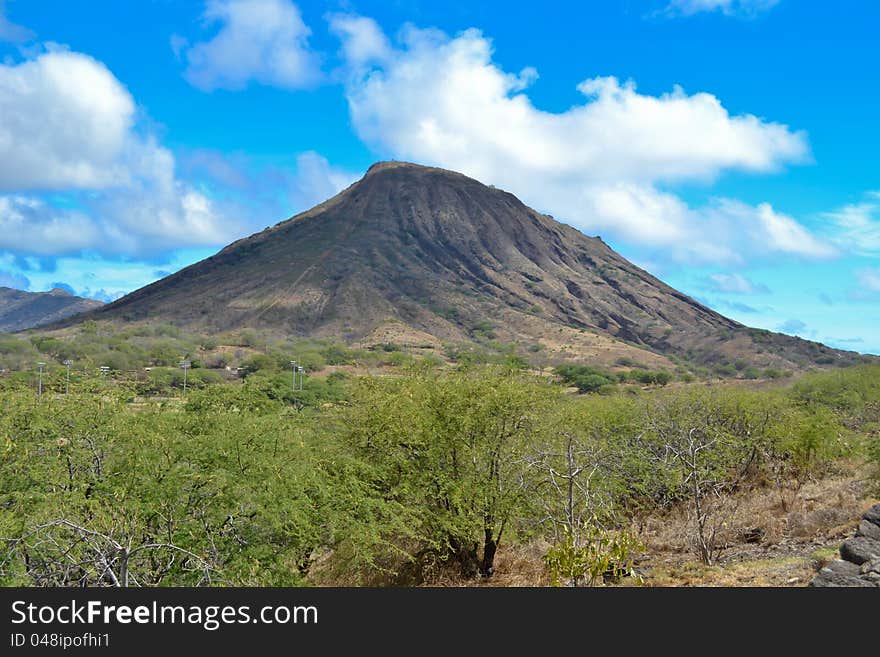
338 355
776 373
448 448
587 378
247 481
751 373
853 391
258 363
604 556
483 330
648 377
584 377
231 497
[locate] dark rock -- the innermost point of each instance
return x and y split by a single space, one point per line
869 529
830 579
860 549
841 567
873 515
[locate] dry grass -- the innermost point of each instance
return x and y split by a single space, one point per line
800 529
774 538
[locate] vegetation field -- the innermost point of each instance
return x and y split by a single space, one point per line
391 468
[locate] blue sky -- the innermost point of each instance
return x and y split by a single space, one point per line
728 146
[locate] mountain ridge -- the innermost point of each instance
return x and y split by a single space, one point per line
21 310
447 256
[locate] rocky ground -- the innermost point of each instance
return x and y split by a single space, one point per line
859 564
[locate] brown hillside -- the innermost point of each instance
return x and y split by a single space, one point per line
442 254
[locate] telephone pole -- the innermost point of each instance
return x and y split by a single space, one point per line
67 364
184 364
40 382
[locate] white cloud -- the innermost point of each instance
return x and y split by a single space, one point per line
158 212
29 225
735 284
599 165
723 231
748 8
65 121
270 191
786 235
67 125
363 41
138 221
316 180
856 227
9 31
441 97
263 41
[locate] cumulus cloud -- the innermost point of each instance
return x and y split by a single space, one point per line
442 97
315 180
745 8
140 221
30 225
263 41
735 284
600 165
65 122
11 32
115 189
363 41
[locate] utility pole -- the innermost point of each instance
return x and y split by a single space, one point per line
184 364
40 382
104 370
302 374
293 381
67 363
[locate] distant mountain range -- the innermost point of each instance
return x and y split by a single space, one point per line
423 255
21 310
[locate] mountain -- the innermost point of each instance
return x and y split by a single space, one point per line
21 310
421 254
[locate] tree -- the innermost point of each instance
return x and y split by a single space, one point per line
450 446
575 475
706 442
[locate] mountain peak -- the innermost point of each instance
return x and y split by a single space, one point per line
21 310
411 167
441 254
384 165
